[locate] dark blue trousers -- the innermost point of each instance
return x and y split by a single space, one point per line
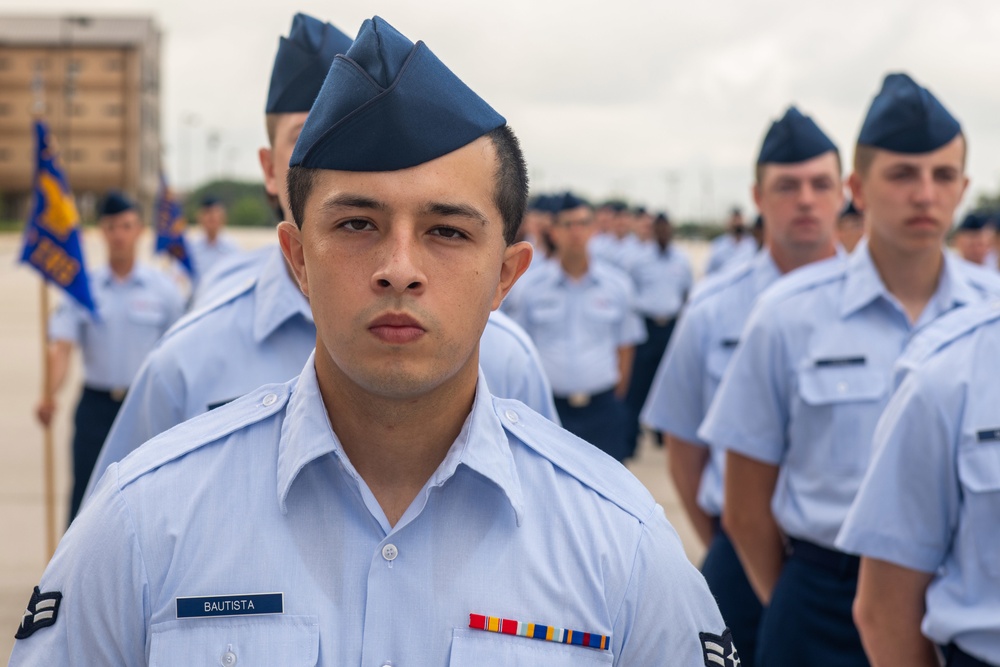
808 621
601 422
95 413
956 657
647 359
741 610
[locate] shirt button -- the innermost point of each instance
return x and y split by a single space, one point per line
841 387
511 416
269 400
228 659
389 552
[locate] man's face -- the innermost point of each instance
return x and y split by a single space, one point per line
909 201
850 231
212 218
604 219
736 223
974 245
572 230
621 225
801 201
402 269
121 233
664 232
274 160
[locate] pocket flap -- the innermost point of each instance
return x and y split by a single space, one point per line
262 641
475 648
979 467
822 385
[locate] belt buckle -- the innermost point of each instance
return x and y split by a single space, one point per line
578 400
117 395
661 321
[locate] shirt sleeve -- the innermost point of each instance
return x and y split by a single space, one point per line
152 406
676 399
667 604
749 413
908 506
633 329
102 615
66 322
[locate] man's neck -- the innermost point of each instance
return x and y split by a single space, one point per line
912 278
395 444
790 259
574 266
211 237
121 268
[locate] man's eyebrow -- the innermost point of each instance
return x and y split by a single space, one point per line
348 200
446 209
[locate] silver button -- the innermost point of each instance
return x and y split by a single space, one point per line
841 387
389 552
512 416
228 658
269 400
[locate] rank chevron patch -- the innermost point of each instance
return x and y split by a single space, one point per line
43 608
719 651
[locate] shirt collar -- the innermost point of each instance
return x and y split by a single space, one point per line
278 297
482 445
138 276
864 284
764 270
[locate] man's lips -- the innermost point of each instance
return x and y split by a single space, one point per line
921 221
396 328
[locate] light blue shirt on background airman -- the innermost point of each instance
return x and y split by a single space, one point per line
662 280
811 375
578 325
205 255
345 587
725 250
930 501
696 358
132 315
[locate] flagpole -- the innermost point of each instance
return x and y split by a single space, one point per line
48 451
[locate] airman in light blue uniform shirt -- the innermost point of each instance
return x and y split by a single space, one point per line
930 501
799 401
254 534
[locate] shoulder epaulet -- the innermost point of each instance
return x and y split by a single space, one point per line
204 429
199 313
983 279
945 330
804 279
576 457
718 282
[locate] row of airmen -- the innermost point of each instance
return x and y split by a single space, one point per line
768 402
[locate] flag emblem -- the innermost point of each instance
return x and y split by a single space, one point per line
41 613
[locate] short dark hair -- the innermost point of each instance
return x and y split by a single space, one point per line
758 172
510 193
864 155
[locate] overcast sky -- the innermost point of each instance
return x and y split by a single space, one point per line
660 101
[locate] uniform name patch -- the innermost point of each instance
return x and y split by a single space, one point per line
841 361
989 435
730 343
719 651
43 608
230 605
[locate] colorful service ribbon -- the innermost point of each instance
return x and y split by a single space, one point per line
535 631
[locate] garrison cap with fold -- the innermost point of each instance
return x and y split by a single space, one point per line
115 202
905 117
300 67
974 221
793 138
389 104
567 201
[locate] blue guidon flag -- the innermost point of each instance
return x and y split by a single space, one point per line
170 226
52 235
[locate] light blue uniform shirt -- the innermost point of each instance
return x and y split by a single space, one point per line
725 250
204 255
696 357
618 252
662 280
578 325
132 315
931 498
519 521
811 375
259 334
229 273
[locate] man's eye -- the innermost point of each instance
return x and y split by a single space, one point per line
356 225
449 233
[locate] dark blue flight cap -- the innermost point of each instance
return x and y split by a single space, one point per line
303 60
850 209
389 104
210 200
115 202
537 203
973 222
567 201
906 118
794 138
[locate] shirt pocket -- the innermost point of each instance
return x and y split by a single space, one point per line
979 474
148 314
842 404
478 648
265 641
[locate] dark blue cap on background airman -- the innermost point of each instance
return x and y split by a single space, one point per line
389 104
567 201
300 67
793 138
209 201
905 117
974 221
115 202
850 209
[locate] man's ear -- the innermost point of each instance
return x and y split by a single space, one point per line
266 158
857 196
516 259
290 238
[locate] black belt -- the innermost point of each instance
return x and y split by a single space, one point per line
117 394
661 322
829 559
582 400
956 657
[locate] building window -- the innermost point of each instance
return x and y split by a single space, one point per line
41 64
114 64
4 154
114 155
115 110
4 109
77 155
4 63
